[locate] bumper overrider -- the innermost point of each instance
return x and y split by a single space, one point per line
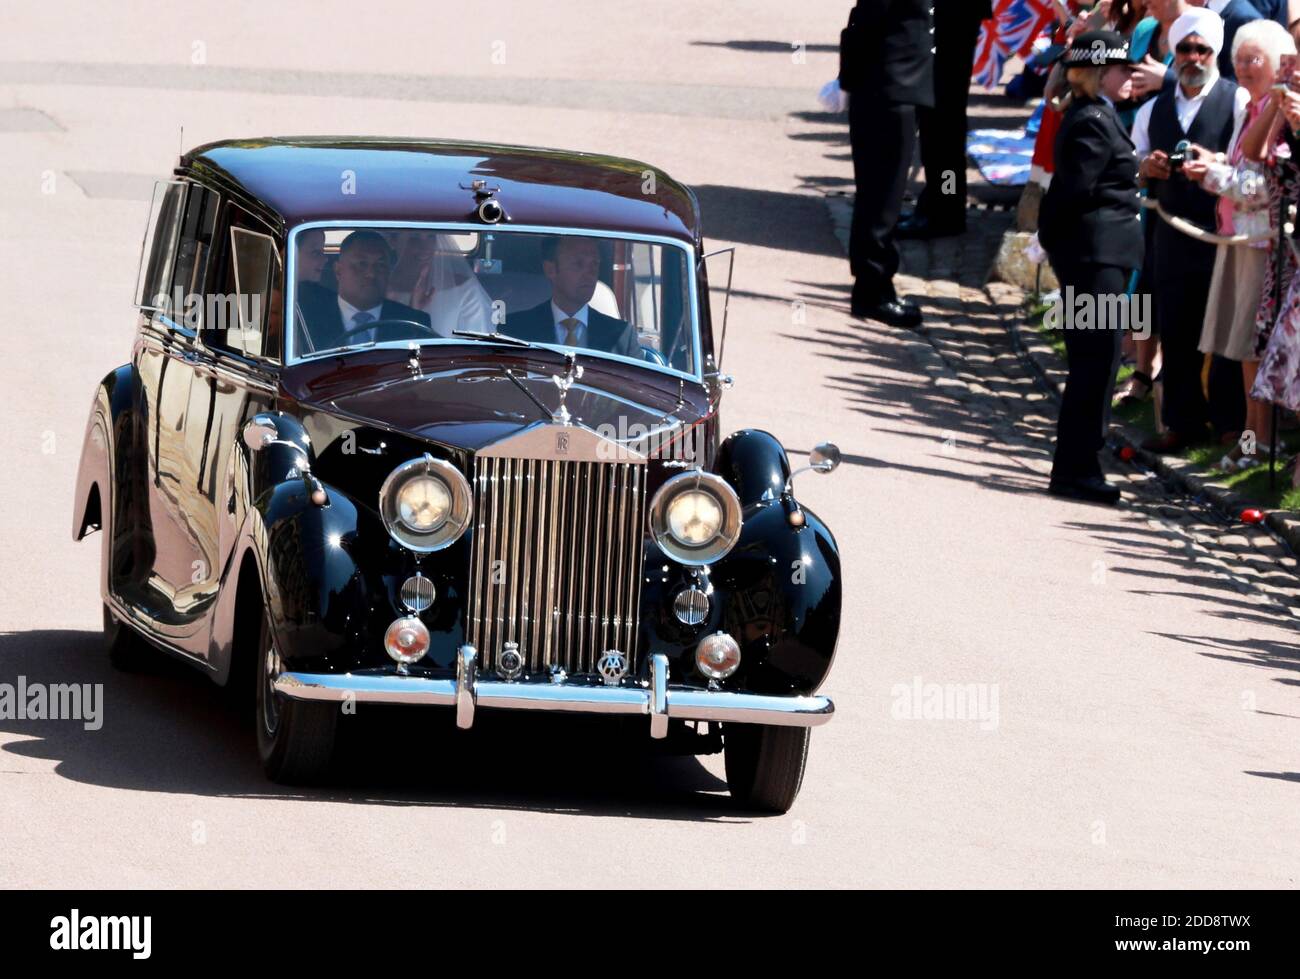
658 700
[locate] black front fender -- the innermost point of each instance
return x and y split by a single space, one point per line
780 596
779 590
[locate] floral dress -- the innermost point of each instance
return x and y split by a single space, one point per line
1277 334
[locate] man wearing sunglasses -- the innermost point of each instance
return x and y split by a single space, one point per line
1233 13
1202 109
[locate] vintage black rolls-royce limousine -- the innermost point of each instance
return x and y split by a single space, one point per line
436 424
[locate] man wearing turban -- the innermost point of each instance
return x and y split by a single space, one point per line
1202 108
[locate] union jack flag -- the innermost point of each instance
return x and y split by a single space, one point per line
1016 24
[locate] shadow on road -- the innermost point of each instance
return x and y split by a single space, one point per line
170 730
767 219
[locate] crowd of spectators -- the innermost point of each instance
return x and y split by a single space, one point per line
1213 115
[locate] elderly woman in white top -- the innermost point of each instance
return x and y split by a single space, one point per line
1258 52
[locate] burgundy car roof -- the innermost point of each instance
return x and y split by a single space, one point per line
305 178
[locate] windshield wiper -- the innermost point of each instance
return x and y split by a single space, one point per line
354 346
495 337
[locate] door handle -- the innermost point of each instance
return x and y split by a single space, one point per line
201 365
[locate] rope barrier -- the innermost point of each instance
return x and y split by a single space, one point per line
1199 233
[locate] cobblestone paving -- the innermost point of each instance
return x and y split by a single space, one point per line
971 358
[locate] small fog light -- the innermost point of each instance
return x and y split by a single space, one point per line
691 606
717 656
406 640
417 593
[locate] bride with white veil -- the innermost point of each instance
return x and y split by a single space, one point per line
433 275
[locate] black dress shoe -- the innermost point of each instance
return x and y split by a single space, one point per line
1090 489
921 227
893 312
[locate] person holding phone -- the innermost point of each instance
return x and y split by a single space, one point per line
1277 326
1263 56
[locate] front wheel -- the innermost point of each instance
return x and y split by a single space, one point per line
765 764
295 738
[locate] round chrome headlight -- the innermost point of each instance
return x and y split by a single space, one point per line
695 517
426 504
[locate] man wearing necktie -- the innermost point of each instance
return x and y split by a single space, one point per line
572 265
346 318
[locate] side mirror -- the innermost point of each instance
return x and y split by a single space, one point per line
717 382
259 432
824 458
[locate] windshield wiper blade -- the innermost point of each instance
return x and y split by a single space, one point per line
495 337
354 346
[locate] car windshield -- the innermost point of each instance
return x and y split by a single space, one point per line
372 286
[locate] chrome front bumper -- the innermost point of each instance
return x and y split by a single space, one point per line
467 692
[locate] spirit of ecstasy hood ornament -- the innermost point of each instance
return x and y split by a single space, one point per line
572 372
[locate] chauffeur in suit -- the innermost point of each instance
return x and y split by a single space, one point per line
342 318
941 208
1089 227
572 264
887 67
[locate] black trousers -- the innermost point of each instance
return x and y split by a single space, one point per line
943 128
1183 268
883 138
1093 357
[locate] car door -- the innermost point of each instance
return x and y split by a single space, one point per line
240 356
173 401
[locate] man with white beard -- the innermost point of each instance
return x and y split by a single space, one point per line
1202 109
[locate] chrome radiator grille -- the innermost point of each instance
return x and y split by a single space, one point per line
556 560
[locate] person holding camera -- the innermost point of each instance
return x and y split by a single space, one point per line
1204 109
1089 227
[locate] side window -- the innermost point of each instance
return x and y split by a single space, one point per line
192 252
245 301
256 265
153 288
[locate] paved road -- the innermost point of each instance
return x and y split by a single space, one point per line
1141 719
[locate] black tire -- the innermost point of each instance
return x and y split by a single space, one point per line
127 651
295 738
765 764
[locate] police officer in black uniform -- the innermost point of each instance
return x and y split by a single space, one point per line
1089 227
887 67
